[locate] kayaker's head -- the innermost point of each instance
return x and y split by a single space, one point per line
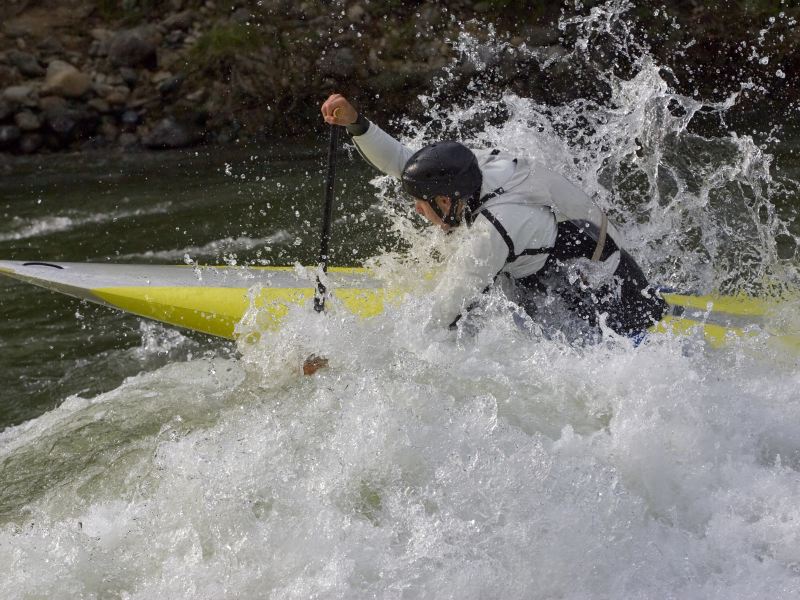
442 178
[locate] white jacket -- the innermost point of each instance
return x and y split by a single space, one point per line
531 203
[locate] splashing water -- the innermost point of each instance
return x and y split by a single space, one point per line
422 465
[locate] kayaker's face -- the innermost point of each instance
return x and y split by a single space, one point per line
426 210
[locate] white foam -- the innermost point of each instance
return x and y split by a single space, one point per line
447 465
216 247
22 228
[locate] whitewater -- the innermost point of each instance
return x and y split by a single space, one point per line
489 462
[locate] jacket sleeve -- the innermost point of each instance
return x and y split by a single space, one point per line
473 266
383 151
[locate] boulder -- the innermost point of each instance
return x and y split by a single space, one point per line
9 135
27 121
171 133
135 47
26 63
65 80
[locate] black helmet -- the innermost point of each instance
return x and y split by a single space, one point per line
443 169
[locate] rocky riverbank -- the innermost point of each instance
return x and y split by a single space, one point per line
81 74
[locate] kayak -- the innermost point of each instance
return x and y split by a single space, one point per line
213 299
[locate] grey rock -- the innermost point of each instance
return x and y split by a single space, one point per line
175 38
65 80
171 133
171 85
27 121
50 46
135 47
26 63
20 95
9 135
182 21
31 142
100 105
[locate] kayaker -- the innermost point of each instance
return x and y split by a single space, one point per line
527 226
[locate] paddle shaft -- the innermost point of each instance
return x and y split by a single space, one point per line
330 180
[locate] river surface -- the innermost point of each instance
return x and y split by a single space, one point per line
141 461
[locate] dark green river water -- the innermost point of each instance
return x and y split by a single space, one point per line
213 205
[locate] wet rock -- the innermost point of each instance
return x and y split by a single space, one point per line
20 95
171 85
171 133
135 47
182 21
160 76
65 80
129 76
25 63
31 142
27 121
9 135
338 62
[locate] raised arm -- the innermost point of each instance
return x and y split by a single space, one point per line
379 148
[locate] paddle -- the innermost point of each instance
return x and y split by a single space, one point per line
319 297
313 363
